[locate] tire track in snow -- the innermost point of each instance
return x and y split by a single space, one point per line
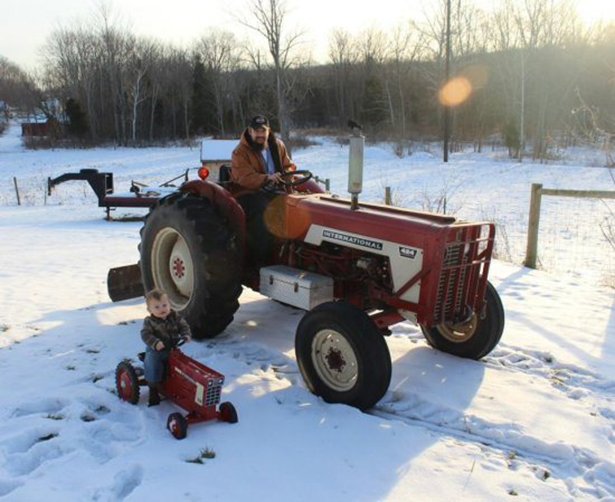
575 383
544 459
544 364
592 476
598 476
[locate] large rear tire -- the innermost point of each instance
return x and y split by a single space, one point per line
189 251
342 355
477 337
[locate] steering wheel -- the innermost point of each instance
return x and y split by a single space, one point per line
181 341
291 179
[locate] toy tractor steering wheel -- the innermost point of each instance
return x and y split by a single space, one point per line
181 341
290 179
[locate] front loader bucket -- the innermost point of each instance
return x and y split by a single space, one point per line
124 283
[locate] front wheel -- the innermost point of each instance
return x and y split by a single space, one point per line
127 382
228 413
342 355
177 425
476 337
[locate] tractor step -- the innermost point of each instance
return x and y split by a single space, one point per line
124 283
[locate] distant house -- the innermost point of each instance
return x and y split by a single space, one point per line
38 123
47 128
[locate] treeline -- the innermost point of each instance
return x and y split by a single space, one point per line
527 72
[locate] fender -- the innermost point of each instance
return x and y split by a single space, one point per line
222 200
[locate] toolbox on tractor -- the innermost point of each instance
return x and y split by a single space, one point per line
301 289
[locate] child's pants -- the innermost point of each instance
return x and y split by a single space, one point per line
155 365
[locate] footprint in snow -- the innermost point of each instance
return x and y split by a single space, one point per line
24 441
575 382
7 486
45 449
50 406
124 483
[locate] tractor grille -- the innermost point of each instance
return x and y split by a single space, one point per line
214 389
463 276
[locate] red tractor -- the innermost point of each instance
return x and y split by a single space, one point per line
356 269
189 384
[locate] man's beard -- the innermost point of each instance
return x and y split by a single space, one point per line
259 147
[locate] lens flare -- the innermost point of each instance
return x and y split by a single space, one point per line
284 220
459 89
455 92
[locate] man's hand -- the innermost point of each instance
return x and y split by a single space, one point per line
159 346
274 178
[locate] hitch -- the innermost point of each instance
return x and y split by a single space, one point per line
101 183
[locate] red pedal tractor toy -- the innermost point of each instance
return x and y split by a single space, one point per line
189 384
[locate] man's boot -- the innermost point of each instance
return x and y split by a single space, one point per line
154 396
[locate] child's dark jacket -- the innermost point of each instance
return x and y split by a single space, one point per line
168 331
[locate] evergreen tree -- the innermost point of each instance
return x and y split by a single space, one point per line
199 98
77 120
373 109
203 116
511 139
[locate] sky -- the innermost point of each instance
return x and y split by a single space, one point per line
533 420
26 24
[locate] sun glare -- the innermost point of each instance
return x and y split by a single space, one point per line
455 91
595 11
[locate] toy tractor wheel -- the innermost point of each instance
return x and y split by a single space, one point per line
191 252
177 425
342 355
475 338
228 413
127 382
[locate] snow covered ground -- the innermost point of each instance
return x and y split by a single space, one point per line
535 419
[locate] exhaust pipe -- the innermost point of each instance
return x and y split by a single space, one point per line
355 164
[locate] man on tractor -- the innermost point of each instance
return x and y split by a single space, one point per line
257 166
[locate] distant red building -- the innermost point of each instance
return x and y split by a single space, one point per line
47 128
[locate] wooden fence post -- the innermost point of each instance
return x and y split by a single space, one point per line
17 191
532 226
387 196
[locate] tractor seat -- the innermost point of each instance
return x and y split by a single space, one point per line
224 176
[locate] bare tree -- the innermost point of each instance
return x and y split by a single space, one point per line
542 26
219 51
268 19
139 65
343 54
406 46
17 88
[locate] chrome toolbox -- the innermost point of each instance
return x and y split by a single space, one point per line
295 287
